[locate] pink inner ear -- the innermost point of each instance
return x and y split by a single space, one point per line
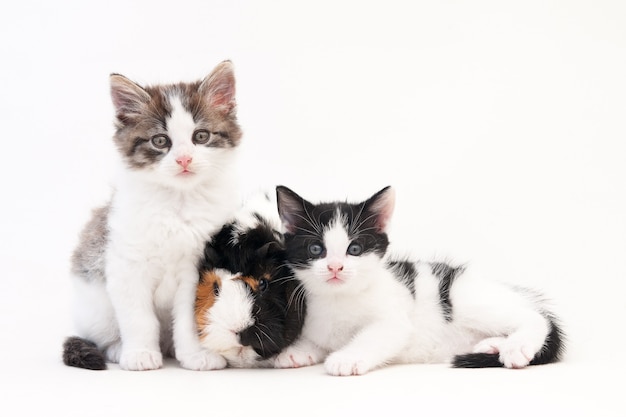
384 207
223 95
127 96
219 88
124 101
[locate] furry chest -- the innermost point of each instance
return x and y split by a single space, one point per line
163 220
334 324
164 235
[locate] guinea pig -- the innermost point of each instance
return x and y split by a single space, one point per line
248 319
252 243
249 305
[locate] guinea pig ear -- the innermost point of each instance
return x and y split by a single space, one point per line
211 257
269 250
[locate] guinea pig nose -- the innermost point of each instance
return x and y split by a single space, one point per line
249 337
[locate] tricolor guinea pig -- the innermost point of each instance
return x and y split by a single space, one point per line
247 319
249 305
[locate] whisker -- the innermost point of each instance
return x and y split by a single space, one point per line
267 336
260 341
298 295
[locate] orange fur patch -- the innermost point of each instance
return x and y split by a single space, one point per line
251 281
205 298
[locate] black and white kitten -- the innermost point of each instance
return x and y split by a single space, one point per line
366 309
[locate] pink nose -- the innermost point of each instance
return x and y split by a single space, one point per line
184 161
335 267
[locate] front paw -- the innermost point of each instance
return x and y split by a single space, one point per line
341 364
203 360
141 360
295 358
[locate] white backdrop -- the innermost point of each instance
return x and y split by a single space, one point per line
500 124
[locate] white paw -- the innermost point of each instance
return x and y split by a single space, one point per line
141 360
490 345
341 364
294 358
114 352
203 360
515 355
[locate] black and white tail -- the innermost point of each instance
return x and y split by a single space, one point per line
552 351
83 353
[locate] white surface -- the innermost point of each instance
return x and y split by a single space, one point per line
501 125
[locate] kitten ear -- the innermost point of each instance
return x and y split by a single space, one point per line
381 205
291 207
128 97
219 87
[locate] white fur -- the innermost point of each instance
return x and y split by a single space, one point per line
370 318
261 203
230 314
158 223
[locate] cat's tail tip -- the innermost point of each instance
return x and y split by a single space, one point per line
477 360
82 353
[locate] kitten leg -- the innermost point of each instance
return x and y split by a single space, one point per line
131 295
375 345
514 320
513 351
301 353
520 348
113 352
94 317
491 345
187 346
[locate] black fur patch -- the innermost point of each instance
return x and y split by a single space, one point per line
554 347
405 272
446 275
477 360
83 353
247 252
278 316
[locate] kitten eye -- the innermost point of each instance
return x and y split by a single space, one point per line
315 249
263 285
200 137
355 249
160 141
216 289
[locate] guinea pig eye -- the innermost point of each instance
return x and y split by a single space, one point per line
355 249
200 137
160 141
263 285
216 289
315 249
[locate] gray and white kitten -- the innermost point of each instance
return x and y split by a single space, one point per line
135 268
366 308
